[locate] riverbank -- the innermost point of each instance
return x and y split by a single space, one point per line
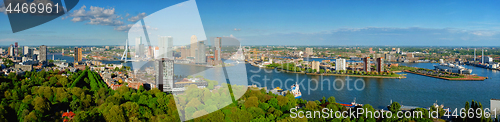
346 75
466 78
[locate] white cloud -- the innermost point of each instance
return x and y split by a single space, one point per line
127 27
96 16
2 9
236 29
124 27
127 15
136 18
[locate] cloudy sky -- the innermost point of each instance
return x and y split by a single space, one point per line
279 22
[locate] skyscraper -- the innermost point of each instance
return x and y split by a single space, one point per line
11 50
43 53
184 52
16 49
165 44
139 47
340 64
165 74
315 66
25 50
193 47
78 54
380 64
200 53
366 64
217 51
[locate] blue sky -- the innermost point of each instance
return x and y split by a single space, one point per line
290 22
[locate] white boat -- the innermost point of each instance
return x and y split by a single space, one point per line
296 91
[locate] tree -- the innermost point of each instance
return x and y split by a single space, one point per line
331 100
252 102
394 107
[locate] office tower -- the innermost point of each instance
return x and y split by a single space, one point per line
184 52
193 44
139 47
200 53
25 50
309 51
1 51
62 52
156 52
366 64
370 50
340 64
162 45
315 66
165 44
380 64
43 53
170 50
30 53
78 54
16 49
398 50
165 74
11 50
217 51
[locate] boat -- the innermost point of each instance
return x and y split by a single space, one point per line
296 91
449 67
352 104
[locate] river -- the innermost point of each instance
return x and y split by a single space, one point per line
415 90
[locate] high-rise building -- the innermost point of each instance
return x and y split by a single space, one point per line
309 51
62 52
156 53
380 64
193 47
217 51
170 50
11 50
16 49
366 64
165 74
398 50
139 48
200 53
340 64
315 66
78 54
184 52
43 53
25 50
165 44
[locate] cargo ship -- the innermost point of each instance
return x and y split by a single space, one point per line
448 67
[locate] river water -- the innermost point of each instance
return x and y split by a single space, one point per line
415 90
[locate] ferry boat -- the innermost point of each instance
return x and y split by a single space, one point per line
295 91
449 67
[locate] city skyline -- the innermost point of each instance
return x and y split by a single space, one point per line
396 23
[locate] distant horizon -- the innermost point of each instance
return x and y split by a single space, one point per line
266 45
259 22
